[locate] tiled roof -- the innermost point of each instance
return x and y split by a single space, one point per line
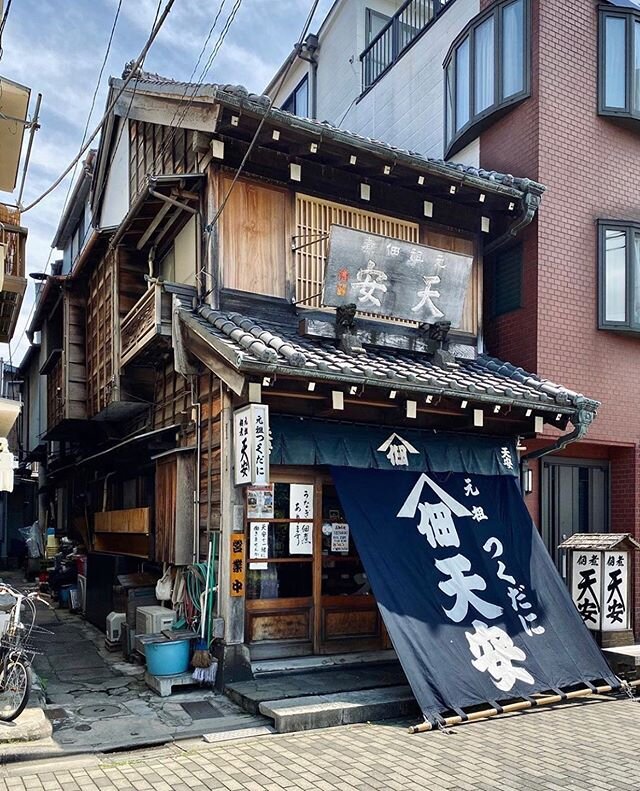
239 95
600 541
259 346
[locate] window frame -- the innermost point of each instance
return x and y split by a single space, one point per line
496 310
630 18
477 121
631 269
292 98
369 14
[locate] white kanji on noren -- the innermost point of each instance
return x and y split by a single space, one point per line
506 458
461 586
495 654
436 523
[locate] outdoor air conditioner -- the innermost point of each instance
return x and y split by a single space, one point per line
114 625
152 620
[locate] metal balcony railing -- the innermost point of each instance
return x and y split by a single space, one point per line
404 26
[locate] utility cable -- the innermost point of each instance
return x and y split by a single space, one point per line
3 23
209 228
112 104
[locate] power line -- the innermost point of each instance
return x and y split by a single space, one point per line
112 104
5 16
194 88
254 139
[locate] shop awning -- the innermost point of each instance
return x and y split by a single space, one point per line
308 442
473 604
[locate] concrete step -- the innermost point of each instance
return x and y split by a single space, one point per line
326 711
250 694
270 667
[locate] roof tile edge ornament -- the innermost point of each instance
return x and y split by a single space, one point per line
239 96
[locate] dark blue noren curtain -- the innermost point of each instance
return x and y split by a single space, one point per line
472 601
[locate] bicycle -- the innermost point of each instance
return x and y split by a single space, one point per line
17 650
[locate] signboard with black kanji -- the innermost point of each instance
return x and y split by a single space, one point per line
395 279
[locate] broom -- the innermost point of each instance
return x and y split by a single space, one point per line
204 667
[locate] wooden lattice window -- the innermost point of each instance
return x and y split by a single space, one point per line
100 335
314 219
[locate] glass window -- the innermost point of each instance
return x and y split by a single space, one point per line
375 22
513 49
298 101
488 64
462 84
635 308
484 69
280 581
615 275
615 62
636 66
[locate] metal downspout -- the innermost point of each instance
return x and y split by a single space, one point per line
530 204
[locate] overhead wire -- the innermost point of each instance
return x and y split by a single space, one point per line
210 226
193 88
3 22
84 135
112 104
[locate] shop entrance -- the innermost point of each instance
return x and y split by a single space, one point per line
307 591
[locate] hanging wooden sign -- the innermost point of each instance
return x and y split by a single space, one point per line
395 279
251 444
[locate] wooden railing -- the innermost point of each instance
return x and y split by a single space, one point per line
149 317
128 520
404 26
12 252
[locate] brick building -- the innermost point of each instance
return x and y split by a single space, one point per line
550 90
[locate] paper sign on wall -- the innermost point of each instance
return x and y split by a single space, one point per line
260 502
258 543
301 538
301 501
340 537
237 565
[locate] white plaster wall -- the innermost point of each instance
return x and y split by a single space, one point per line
406 107
115 203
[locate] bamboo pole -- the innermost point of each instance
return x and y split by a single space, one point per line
548 700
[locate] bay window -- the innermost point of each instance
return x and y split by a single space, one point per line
486 70
619 266
619 63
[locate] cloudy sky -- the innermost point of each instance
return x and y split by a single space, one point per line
56 47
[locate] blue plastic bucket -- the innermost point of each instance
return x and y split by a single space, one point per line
167 659
64 595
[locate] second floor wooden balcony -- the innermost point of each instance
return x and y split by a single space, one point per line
12 270
146 329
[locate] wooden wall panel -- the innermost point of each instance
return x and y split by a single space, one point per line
210 458
158 150
254 238
102 374
457 244
172 400
166 483
74 355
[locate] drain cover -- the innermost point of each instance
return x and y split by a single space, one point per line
201 710
98 711
82 728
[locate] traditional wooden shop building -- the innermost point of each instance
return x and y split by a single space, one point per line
201 380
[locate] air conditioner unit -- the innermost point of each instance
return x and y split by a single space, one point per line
114 625
152 620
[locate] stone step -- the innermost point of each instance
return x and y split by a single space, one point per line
270 667
326 711
250 694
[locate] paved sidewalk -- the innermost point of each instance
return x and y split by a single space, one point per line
579 747
97 701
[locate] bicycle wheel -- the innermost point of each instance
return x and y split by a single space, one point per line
14 689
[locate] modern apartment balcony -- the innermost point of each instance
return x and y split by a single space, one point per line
146 329
404 27
12 270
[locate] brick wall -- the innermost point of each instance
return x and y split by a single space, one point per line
591 168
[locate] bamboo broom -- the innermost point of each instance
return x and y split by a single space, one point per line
202 659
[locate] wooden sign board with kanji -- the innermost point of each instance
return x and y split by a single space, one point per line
237 565
395 279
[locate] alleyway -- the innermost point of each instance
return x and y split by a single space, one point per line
584 747
97 701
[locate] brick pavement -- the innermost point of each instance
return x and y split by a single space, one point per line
579 747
